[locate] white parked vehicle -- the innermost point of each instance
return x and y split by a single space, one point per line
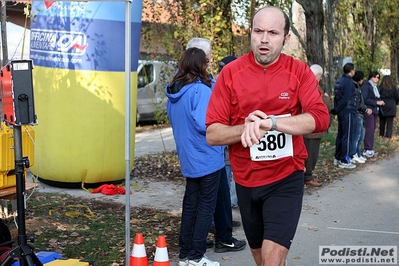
152 78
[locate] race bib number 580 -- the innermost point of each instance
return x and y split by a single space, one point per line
274 145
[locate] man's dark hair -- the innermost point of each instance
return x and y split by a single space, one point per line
287 24
225 61
359 75
348 67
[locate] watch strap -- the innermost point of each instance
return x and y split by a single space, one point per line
274 122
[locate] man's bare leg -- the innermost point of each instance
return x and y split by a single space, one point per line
271 254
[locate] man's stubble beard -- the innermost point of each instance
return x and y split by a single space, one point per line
268 59
263 59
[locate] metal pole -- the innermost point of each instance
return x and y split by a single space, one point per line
128 67
20 184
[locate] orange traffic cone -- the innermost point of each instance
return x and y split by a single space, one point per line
161 253
139 256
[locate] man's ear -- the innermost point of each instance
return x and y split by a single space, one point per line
286 38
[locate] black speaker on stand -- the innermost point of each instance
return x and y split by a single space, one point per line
18 110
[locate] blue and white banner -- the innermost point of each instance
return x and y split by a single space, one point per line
83 35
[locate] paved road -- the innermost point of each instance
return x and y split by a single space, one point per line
360 209
156 141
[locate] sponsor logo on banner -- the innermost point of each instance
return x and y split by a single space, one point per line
358 255
58 42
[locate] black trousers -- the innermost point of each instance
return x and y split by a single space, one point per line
312 146
388 122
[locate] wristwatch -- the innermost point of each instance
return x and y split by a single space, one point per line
274 122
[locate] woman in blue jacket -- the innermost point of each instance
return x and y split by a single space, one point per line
202 165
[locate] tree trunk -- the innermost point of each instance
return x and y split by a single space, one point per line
314 17
330 79
394 63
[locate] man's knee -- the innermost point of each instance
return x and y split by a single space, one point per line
273 254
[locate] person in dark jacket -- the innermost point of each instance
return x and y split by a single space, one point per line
345 106
389 94
357 136
313 140
372 100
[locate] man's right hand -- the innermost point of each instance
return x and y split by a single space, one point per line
255 126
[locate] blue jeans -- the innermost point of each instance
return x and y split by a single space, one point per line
232 185
198 207
357 135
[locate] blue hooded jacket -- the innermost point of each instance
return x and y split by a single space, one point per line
186 109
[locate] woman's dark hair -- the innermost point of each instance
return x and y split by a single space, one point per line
387 83
359 75
193 65
373 74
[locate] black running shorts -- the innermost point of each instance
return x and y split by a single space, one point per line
272 211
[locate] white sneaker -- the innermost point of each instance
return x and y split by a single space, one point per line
335 162
362 158
346 165
370 153
183 262
356 159
203 262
